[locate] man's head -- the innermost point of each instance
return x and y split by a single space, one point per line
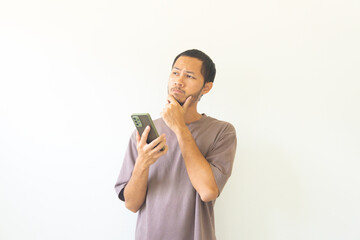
208 69
192 74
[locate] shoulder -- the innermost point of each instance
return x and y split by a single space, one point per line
219 125
222 140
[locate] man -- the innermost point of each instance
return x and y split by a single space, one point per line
175 190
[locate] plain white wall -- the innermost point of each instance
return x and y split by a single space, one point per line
72 72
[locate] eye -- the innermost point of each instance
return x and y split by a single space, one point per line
189 76
175 73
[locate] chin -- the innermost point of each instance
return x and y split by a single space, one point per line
180 102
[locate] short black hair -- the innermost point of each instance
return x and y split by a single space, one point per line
208 69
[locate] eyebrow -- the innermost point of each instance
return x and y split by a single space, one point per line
185 71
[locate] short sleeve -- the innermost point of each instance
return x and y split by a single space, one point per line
222 154
127 167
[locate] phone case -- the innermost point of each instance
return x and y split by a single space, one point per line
141 120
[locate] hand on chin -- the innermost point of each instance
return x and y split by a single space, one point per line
180 100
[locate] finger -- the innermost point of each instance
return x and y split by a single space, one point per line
157 148
157 153
187 103
171 99
166 148
157 141
161 145
144 135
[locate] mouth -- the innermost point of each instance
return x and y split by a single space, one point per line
177 91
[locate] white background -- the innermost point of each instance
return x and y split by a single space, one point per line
72 72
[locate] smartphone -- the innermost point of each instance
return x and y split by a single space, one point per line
141 121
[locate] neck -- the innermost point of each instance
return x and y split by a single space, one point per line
192 115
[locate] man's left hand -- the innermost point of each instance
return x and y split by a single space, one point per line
173 113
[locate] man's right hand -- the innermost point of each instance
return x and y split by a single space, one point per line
149 153
135 190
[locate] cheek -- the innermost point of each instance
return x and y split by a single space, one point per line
170 84
171 81
196 86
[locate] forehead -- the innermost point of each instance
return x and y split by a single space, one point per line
188 64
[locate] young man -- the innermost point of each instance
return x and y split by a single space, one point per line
175 190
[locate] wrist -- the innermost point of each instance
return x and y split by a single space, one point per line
180 131
140 167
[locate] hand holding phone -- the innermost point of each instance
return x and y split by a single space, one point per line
141 121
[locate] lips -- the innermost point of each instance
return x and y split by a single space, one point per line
177 90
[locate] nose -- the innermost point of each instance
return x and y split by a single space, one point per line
179 81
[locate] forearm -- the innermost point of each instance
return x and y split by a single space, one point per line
198 168
135 190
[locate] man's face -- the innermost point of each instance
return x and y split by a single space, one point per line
186 79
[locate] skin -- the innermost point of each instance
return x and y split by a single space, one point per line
185 88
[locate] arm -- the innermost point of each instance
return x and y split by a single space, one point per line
198 168
135 190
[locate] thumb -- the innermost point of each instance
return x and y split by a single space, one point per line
187 103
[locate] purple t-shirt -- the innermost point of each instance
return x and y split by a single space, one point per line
172 209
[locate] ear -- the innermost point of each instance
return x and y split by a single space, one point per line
208 86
